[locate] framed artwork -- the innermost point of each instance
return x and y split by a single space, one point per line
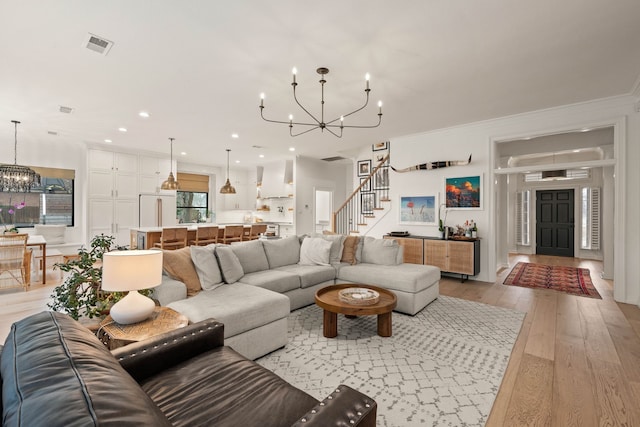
364 167
379 146
366 186
463 192
367 203
381 179
419 210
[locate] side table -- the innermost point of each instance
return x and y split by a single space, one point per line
163 319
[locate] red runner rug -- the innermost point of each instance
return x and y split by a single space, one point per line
574 281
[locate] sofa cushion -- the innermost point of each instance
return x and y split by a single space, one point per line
178 265
53 233
206 264
251 255
283 251
409 278
380 251
337 243
240 307
230 266
233 391
310 275
274 280
349 249
315 251
50 358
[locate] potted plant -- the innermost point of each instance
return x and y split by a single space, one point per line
11 228
80 294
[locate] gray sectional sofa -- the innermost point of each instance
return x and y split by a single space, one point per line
252 286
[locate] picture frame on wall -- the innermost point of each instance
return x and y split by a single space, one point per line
364 167
367 203
381 178
380 146
418 210
367 184
464 192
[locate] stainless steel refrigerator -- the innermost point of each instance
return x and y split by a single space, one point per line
157 210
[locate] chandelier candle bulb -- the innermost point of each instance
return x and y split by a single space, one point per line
366 77
262 100
294 71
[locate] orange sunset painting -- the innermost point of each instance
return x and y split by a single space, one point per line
463 192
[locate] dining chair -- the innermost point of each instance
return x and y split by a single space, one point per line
15 261
205 235
172 238
232 233
255 231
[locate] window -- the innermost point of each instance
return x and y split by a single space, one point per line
192 206
50 203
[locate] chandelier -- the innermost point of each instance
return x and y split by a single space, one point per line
227 188
332 125
16 177
170 183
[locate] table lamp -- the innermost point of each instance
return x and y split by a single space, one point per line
131 271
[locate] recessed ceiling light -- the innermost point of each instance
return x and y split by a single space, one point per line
292 149
143 114
261 156
183 153
576 151
585 130
108 141
122 129
235 135
237 161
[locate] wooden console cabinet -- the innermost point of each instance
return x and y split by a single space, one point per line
451 256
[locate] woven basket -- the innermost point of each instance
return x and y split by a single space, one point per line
359 296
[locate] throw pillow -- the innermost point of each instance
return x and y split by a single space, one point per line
315 251
251 255
349 249
337 242
282 252
229 264
380 251
178 265
206 264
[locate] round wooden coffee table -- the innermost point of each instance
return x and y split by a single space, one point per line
327 298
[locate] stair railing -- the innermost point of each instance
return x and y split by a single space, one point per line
360 205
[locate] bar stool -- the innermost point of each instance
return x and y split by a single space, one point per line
172 238
232 233
205 235
255 232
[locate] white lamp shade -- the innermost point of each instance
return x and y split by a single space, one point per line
131 270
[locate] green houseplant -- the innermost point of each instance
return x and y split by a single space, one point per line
80 293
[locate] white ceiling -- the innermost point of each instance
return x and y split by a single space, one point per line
198 68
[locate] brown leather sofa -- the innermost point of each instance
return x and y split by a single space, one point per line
55 372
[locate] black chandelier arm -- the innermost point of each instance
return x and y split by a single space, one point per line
359 127
303 132
333 133
304 109
366 102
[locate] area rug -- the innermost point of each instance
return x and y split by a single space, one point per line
441 367
574 281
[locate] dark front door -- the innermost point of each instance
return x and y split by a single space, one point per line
555 222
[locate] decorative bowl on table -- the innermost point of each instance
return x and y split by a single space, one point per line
359 296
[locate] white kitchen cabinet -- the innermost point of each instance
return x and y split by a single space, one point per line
113 194
153 172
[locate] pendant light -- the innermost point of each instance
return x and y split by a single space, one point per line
170 183
227 188
16 177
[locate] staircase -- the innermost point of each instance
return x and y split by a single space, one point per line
363 209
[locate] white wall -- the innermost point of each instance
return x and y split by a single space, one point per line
480 139
311 174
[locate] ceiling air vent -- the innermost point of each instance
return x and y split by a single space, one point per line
333 159
65 110
52 132
556 174
97 44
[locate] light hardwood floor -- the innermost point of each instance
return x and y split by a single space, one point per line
576 361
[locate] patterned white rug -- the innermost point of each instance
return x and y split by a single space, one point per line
441 367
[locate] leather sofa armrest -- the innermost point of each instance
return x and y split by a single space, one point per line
344 407
149 357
